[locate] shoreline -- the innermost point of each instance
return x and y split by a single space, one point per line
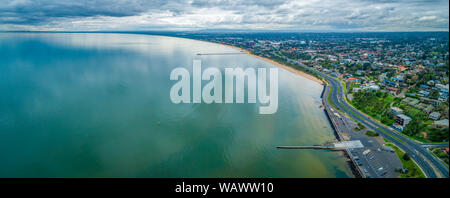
349 163
290 69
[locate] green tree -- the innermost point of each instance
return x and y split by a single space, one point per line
406 157
434 94
412 128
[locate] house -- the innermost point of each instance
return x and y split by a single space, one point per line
441 123
424 86
423 93
430 101
401 121
393 90
373 88
382 77
399 78
360 72
443 98
421 106
336 74
395 111
410 101
356 89
354 80
428 109
435 115
390 83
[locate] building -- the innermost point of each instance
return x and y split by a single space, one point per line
401 121
356 89
395 111
428 109
441 123
430 101
435 115
374 87
410 101
424 93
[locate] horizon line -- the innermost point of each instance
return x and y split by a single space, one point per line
216 31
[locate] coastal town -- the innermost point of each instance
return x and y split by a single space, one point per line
398 79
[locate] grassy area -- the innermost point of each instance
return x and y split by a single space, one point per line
361 126
374 104
330 101
391 135
372 134
413 170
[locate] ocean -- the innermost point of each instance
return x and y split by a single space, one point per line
98 105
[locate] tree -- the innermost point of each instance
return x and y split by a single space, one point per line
415 78
438 135
434 94
412 128
406 157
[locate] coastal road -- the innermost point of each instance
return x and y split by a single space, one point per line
378 163
431 166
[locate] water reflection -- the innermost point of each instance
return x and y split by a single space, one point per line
97 105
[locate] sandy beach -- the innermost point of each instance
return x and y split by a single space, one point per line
295 71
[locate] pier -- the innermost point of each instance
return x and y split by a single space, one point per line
341 145
231 53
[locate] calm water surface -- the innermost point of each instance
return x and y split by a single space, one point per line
98 105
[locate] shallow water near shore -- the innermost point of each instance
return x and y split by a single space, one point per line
98 105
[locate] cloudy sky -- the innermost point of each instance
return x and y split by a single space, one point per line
296 15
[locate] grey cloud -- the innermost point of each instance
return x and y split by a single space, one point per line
41 11
233 4
267 14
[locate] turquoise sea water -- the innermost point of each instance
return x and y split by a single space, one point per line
98 105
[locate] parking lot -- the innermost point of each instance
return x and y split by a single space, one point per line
373 160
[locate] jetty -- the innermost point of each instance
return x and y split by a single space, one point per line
223 53
341 145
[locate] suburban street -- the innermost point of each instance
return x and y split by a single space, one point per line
431 166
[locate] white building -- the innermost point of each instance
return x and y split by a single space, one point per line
435 115
401 121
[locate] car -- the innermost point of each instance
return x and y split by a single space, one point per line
379 150
371 158
356 158
383 174
380 169
365 171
